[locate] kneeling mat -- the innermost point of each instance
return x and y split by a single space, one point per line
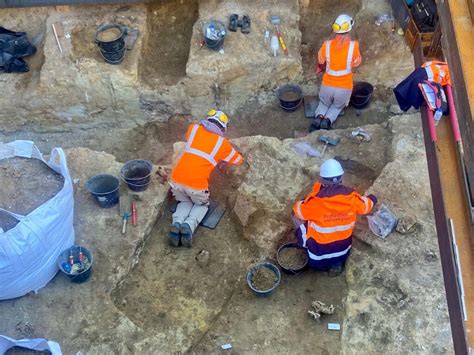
212 217
310 105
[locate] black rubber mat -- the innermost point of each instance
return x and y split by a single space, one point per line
212 217
310 104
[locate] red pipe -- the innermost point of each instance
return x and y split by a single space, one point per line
431 125
453 116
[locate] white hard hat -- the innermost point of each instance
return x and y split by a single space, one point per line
331 169
218 116
343 24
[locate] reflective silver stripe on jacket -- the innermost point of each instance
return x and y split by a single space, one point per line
348 69
329 256
229 157
298 209
303 234
327 230
238 159
367 204
430 74
209 157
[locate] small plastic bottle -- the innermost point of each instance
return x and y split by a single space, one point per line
274 45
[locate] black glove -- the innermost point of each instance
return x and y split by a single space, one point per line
373 198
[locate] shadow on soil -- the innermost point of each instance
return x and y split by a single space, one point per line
170 27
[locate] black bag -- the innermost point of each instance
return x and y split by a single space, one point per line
400 12
14 46
425 15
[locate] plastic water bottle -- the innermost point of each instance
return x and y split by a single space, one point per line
274 45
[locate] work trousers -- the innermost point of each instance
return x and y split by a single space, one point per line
332 101
192 205
323 256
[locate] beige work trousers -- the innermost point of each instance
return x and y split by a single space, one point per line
192 205
332 101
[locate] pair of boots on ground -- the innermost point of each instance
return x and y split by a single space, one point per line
186 218
244 24
320 122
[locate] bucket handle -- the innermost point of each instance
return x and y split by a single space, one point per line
286 108
366 101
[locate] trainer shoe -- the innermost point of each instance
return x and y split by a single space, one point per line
174 235
186 235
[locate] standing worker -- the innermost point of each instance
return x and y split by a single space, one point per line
206 147
337 57
326 217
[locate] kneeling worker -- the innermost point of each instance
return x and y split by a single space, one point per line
206 147
326 218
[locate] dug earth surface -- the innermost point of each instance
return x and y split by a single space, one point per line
26 184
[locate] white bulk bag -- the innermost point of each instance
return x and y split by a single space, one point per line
29 252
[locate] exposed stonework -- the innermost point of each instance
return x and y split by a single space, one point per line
396 301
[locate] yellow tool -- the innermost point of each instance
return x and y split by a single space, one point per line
275 20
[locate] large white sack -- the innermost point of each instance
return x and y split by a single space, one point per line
29 252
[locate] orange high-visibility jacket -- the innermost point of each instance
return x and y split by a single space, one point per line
340 55
331 214
203 151
438 72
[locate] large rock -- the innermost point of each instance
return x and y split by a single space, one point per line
261 195
396 301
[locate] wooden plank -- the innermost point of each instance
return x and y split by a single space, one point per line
470 3
453 192
445 246
458 55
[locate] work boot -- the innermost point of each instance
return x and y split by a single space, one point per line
233 22
316 125
186 235
173 235
325 123
245 25
336 270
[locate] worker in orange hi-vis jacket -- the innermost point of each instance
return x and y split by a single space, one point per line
326 217
337 57
206 148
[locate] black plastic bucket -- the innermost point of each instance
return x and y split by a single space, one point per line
361 94
213 43
105 189
64 263
290 97
286 268
137 174
251 272
111 43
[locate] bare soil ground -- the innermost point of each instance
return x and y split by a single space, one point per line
170 24
26 184
177 292
170 292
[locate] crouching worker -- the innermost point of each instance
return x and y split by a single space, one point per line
206 148
326 217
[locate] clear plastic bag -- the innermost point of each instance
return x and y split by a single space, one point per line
306 149
383 222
